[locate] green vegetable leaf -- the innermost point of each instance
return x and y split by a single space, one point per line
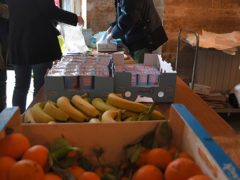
85 164
144 116
63 173
108 176
58 151
166 132
57 144
149 139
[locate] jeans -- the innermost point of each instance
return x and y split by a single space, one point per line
23 76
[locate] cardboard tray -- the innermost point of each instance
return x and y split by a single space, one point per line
188 135
119 83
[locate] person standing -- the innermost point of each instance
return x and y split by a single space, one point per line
33 42
139 26
3 52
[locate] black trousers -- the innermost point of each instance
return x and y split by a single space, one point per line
3 78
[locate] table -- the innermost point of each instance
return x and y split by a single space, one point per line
209 119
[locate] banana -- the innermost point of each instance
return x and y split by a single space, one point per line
156 115
65 105
129 113
131 119
101 105
28 117
94 120
84 106
121 103
39 115
52 109
109 115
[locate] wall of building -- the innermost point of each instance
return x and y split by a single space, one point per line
218 16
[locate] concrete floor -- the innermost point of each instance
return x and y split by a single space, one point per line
233 120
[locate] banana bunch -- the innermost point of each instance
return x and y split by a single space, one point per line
116 108
80 108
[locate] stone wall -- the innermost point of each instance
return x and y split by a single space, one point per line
99 14
218 16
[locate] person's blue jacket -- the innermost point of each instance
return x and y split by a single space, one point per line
138 24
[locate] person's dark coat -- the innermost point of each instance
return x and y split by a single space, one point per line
3 26
33 35
138 24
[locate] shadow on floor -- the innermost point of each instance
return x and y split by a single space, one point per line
233 120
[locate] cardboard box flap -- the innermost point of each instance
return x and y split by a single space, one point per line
10 120
195 140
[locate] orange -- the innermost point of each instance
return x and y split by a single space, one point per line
107 170
72 153
14 145
39 154
148 172
99 171
76 171
184 155
52 176
123 165
88 175
5 164
173 150
199 177
159 157
181 169
142 159
26 170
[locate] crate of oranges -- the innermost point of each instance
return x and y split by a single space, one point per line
175 149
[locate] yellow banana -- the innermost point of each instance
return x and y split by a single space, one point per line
101 105
84 106
65 105
28 117
39 115
121 103
94 120
156 115
131 119
129 113
52 109
109 116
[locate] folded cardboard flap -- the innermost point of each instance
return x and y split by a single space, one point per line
226 42
10 120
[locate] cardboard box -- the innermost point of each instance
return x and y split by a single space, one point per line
106 47
120 83
188 136
201 89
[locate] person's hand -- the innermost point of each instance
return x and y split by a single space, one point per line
109 37
109 30
80 20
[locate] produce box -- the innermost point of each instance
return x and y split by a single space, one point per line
188 135
118 82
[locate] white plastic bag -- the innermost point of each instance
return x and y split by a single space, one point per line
73 38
